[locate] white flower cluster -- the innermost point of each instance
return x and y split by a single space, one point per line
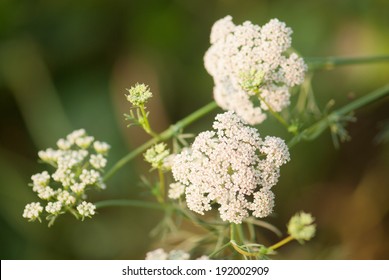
232 166
156 155
248 60
160 254
302 227
79 163
139 94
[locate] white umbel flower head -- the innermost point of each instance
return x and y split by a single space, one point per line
53 207
46 193
139 94
76 160
65 197
90 177
77 134
84 142
156 155
78 188
41 179
101 147
98 161
32 211
302 227
64 144
232 166
86 209
248 61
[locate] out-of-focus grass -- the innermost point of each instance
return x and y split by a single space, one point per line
65 64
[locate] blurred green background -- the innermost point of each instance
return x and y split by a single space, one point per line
65 65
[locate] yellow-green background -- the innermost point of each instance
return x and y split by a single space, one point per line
65 64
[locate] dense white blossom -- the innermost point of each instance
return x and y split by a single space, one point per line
301 227
41 179
176 190
65 197
98 161
86 209
32 211
64 144
139 94
84 142
101 147
49 155
247 62
75 160
53 207
89 177
45 193
75 135
156 155
78 188
232 166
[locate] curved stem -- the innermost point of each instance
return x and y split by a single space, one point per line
219 249
329 63
241 251
128 202
281 243
146 124
316 129
274 113
168 133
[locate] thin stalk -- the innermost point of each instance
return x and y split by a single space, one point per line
161 185
316 129
328 63
146 124
219 249
129 202
281 243
274 113
236 247
167 134
241 251
240 233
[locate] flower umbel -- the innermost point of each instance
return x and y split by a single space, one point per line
301 227
32 211
156 155
232 166
247 62
76 164
139 94
86 209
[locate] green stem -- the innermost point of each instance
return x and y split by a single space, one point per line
145 122
275 114
329 63
168 133
281 243
128 202
219 249
316 129
161 186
